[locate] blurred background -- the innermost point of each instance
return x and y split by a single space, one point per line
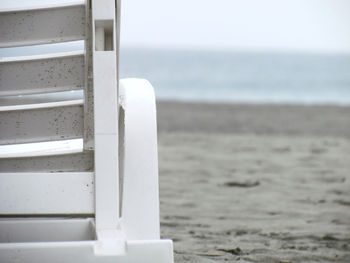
252 51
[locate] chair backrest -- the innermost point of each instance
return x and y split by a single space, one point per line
59 156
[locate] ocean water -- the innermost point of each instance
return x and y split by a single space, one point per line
241 77
222 76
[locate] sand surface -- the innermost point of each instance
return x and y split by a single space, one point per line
255 183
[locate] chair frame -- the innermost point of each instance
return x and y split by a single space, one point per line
110 214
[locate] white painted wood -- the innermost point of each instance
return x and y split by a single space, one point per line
41 25
41 177
117 39
74 162
88 91
45 105
54 97
104 10
105 93
41 122
89 143
140 164
155 251
19 230
42 73
100 39
41 148
105 122
46 193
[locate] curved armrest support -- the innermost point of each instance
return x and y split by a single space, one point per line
138 160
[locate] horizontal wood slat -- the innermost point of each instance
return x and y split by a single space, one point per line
41 122
41 98
42 73
46 193
41 148
24 230
76 162
42 25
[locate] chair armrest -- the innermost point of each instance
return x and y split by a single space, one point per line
138 160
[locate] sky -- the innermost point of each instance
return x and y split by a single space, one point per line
301 25
286 25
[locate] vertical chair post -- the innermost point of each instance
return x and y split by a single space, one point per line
88 87
104 56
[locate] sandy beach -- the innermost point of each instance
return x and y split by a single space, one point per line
254 183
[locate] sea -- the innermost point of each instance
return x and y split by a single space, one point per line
241 77
217 76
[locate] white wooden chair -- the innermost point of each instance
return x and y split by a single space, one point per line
78 178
